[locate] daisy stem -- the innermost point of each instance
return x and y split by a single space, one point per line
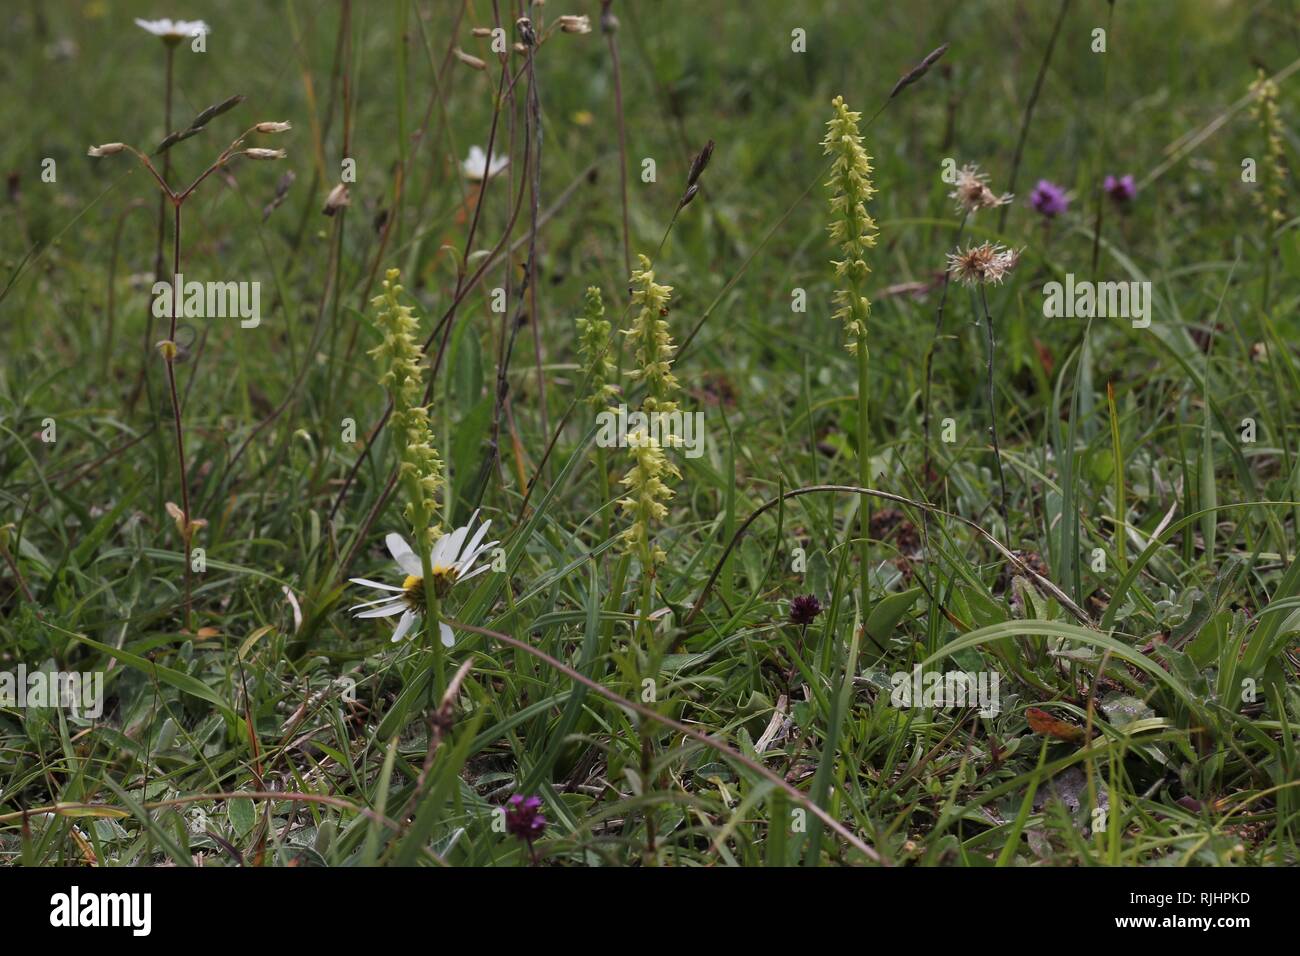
432 611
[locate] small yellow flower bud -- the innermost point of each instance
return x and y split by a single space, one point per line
168 349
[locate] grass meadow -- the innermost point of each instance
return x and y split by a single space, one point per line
886 417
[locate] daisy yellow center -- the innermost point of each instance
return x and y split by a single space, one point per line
443 575
413 592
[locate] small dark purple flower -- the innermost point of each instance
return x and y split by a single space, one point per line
523 817
1049 199
804 608
1122 189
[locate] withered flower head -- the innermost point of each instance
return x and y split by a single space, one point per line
469 59
987 263
336 200
570 23
972 191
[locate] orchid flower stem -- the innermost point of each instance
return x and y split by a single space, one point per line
651 663
864 472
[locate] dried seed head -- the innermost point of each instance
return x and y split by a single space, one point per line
688 195
273 127
570 23
108 149
987 263
972 192
481 31
469 59
336 200
258 153
527 35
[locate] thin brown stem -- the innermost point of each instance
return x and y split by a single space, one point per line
169 356
1029 109
609 24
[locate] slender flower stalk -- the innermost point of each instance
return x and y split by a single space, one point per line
854 231
980 266
186 524
971 194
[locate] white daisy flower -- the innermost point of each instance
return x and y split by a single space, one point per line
476 166
451 561
174 30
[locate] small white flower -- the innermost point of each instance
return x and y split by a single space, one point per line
451 561
476 163
174 30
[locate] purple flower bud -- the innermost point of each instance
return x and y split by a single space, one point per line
523 817
803 609
1049 199
1121 189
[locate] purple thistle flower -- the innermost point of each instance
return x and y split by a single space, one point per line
1122 189
523 818
804 608
1049 199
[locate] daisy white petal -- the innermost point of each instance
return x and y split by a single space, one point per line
386 599
403 626
386 611
439 557
458 538
375 584
448 635
471 551
402 554
468 558
475 573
